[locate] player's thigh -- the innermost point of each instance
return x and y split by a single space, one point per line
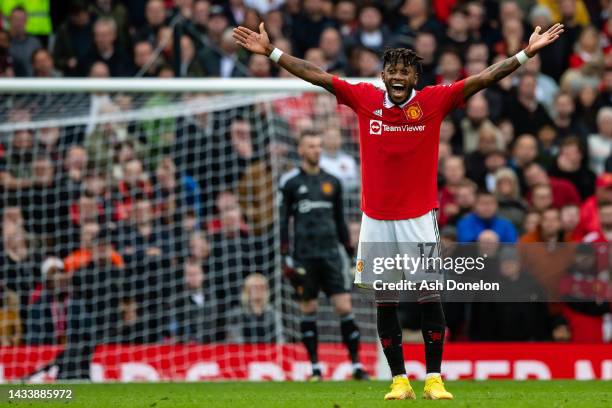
333 277
342 303
423 229
376 239
312 279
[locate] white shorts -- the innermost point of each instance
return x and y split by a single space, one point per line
423 229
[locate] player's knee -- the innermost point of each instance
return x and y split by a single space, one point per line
308 306
342 305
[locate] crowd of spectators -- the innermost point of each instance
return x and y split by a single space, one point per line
163 230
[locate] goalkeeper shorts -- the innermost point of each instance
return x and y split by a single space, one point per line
413 238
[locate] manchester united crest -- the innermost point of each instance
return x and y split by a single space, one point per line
327 188
413 112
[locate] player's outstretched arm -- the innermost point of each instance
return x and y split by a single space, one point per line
495 72
260 44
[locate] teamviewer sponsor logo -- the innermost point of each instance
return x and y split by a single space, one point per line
375 127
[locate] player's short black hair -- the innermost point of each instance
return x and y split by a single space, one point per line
308 133
392 56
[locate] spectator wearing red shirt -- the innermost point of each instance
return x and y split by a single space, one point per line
563 192
589 214
587 50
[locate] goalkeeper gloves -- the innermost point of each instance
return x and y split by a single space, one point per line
293 271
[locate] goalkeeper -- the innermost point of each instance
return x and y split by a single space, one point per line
313 198
399 137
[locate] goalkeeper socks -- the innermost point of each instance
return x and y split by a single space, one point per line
308 327
390 334
350 336
433 329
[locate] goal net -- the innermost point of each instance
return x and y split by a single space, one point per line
140 230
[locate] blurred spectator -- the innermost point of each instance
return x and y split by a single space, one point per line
231 251
546 87
485 217
570 218
255 320
235 11
83 255
190 66
525 112
19 264
11 330
145 62
16 164
453 173
425 46
337 162
224 62
155 14
259 66
477 117
106 50
563 192
331 45
417 19
589 214
6 60
119 13
508 194
545 252
571 165
200 16
42 65
73 39
475 162
600 144
308 26
23 45
195 315
457 35
346 16
587 49
564 118
465 198
371 32
450 68
541 197
130 328
48 305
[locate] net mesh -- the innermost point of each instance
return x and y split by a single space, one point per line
140 233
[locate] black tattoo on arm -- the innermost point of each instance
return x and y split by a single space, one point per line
490 75
307 71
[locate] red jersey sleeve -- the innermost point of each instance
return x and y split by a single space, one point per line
450 96
349 94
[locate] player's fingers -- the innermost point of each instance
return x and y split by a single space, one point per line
240 34
262 29
244 30
537 29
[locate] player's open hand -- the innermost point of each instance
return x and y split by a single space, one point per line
538 40
252 41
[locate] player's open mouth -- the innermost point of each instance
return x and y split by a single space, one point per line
398 90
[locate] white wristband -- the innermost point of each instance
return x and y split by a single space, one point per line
522 57
275 55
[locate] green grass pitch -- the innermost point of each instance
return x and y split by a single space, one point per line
477 394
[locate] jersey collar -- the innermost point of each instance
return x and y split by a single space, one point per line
388 104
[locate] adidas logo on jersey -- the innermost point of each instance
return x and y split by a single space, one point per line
378 112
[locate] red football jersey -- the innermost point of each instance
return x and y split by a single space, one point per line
399 146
